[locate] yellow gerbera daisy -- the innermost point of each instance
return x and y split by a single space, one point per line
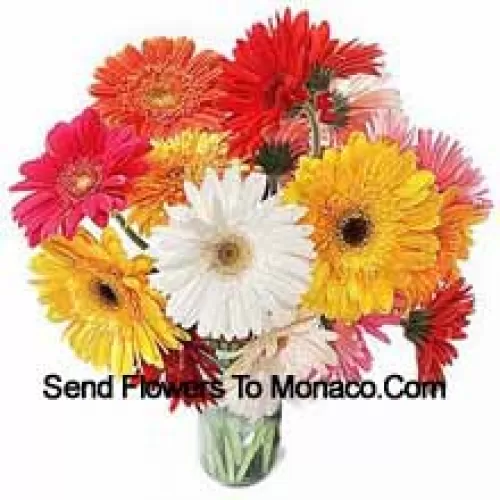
183 157
374 217
115 319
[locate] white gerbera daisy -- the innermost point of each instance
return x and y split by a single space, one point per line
231 262
302 350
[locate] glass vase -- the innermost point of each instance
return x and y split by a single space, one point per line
235 450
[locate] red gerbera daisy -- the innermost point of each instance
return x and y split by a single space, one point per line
85 171
275 67
161 89
193 364
433 327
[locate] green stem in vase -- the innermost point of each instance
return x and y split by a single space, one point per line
214 434
268 447
252 451
235 441
237 450
272 186
230 460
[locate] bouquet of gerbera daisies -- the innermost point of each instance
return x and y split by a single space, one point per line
282 209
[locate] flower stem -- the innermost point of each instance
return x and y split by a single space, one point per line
272 185
131 233
310 112
299 321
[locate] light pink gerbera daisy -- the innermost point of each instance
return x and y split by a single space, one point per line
445 158
391 125
350 103
85 172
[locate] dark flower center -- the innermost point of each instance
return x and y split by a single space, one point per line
283 91
228 253
355 229
282 342
272 92
107 294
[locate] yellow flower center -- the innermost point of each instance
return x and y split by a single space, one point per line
231 255
161 97
354 228
83 183
79 179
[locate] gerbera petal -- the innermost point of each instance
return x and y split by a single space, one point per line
115 317
360 262
432 327
72 177
271 72
181 92
216 265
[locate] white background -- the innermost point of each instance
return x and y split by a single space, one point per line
444 58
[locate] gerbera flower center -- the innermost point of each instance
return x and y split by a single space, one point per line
79 179
106 294
282 92
282 342
354 228
273 91
231 255
161 97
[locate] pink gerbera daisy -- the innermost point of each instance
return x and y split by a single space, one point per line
352 352
351 348
445 158
85 172
393 126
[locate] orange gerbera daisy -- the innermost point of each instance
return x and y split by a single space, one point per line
465 203
184 157
160 89
465 200
455 238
